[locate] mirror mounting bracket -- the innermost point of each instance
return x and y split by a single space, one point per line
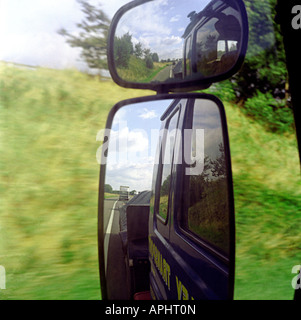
165 89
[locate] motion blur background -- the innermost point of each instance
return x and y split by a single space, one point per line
52 104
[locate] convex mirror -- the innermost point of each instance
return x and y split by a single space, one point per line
171 44
148 136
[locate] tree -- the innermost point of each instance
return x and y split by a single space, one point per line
138 50
93 36
261 86
123 49
149 62
146 52
264 68
155 57
165 186
108 188
218 166
148 58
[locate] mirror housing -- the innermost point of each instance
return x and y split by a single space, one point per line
211 48
209 115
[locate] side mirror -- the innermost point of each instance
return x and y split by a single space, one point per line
166 46
172 153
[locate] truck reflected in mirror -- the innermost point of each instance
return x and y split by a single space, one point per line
157 42
172 155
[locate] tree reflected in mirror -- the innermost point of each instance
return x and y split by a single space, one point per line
207 201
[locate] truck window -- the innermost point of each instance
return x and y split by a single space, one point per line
217 43
188 57
206 47
168 148
206 214
225 46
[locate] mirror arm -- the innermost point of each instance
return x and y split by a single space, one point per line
201 86
165 90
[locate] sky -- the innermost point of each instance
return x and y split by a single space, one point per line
28 28
159 25
28 31
133 144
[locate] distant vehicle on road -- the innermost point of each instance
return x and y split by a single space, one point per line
124 193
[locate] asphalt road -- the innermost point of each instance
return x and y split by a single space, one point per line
163 75
114 258
108 206
117 271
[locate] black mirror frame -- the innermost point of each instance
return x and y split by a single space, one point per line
185 85
117 106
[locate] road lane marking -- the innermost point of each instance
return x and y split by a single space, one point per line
107 234
170 72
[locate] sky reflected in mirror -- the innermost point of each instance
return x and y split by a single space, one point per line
133 143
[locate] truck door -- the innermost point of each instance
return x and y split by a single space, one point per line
161 202
191 221
187 57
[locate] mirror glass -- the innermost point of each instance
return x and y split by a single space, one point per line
144 143
166 41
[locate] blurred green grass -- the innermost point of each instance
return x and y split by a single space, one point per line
49 181
49 187
266 174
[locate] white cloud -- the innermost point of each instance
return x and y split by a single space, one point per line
28 31
126 145
175 18
129 161
42 49
170 41
148 114
137 175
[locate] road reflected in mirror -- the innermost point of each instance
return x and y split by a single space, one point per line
130 156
